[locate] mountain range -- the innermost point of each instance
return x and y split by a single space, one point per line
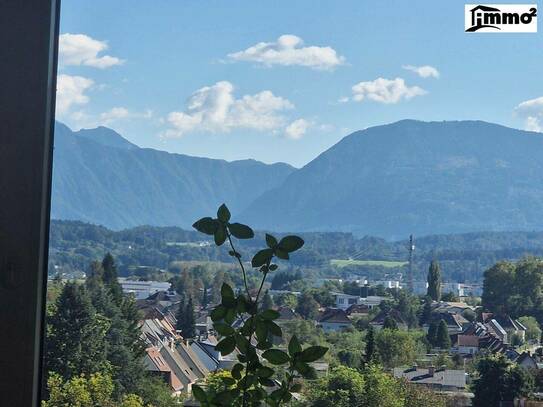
389 181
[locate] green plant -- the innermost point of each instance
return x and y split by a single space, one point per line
252 378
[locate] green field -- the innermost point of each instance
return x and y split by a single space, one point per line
382 263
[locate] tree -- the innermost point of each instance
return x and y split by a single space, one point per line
307 307
189 330
499 380
343 387
381 389
498 286
267 301
426 314
395 347
205 299
180 315
110 278
431 336
390 323
75 342
533 331
443 340
434 281
370 345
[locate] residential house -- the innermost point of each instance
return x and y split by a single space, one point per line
455 322
380 318
512 326
357 310
332 320
142 289
344 301
440 379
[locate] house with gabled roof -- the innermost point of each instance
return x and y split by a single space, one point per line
333 319
380 318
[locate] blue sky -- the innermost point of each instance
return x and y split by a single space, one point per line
181 76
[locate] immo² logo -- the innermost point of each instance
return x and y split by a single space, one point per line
500 18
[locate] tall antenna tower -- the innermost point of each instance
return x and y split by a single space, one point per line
411 251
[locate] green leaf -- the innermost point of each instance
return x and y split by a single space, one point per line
274 329
291 243
271 241
266 382
230 316
223 214
276 356
223 329
206 225
262 257
223 398
273 267
226 346
265 371
218 313
270 314
264 345
301 367
261 331
227 292
242 343
313 353
294 346
282 254
199 393
241 231
220 235
236 371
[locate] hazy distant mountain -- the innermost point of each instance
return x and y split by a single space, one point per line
414 177
102 178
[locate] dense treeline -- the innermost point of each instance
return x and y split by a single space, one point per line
73 245
94 348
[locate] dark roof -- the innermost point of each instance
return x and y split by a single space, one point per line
333 315
287 314
451 319
394 314
357 309
440 377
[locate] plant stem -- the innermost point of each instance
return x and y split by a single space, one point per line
240 264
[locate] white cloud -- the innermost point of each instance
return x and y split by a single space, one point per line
80 49
385 91
71 91
289 50
215 109
532 112
425 71
297 129
114 114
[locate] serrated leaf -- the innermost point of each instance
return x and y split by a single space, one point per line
276 356
262 257
271 241
294 346
226 346
241 231
198 393
218 313
220 235
206 225
312 354
223 329
291 243
223 214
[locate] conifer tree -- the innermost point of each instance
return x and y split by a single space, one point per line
370 345
180 316
426 311
443 340
189 330
431 336
110 278
76 341
434 281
